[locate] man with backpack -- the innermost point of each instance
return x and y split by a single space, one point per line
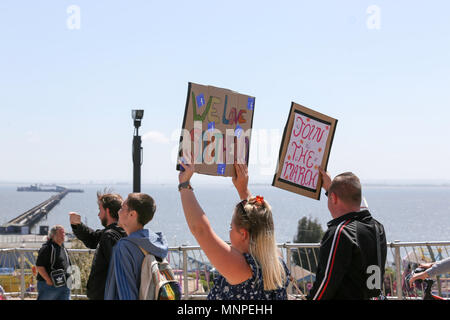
102 240
124 275
353 250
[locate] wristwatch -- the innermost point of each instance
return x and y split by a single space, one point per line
185 185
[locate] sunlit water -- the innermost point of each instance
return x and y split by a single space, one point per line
408 213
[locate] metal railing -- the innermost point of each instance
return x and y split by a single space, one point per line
195 273
402 258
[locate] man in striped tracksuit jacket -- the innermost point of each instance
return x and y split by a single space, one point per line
350 264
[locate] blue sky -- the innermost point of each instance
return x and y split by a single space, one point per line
66 94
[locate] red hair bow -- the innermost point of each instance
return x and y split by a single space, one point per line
260 199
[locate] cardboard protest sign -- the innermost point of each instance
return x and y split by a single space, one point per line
216 129
306 145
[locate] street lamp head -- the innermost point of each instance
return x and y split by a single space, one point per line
137 116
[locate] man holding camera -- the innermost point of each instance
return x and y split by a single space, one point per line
52 264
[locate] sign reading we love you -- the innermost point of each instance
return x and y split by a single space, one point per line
306 145
216 129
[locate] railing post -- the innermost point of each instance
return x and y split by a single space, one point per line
22 275
398 267
185 274
289 265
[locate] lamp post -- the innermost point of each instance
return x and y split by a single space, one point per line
137 116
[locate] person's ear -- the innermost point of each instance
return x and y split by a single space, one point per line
244 234
334 198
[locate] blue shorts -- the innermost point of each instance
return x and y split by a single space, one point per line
46 292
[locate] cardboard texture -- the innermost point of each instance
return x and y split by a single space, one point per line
306 145
216 129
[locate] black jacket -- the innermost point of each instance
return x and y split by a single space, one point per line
103 241
347 249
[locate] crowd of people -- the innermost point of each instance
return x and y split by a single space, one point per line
250 266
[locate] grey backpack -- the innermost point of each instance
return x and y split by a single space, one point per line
157 280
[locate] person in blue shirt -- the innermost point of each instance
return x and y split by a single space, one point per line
124 274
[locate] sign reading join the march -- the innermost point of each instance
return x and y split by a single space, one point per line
216 129
306 145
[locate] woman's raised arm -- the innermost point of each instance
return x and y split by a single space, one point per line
227 260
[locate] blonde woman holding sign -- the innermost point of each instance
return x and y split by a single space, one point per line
250 268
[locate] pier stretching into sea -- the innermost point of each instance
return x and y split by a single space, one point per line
25 221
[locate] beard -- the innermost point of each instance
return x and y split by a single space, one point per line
104 222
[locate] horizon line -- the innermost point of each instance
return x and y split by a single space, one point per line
368 182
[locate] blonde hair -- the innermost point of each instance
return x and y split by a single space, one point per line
256 217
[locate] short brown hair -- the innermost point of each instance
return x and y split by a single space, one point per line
347 187
143 204
111 201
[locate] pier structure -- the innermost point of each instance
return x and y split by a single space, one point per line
46 188
24 222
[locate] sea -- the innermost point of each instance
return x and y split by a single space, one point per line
409 213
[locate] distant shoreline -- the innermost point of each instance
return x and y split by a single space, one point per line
446 185
201 183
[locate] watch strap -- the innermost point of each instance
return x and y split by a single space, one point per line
185 185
